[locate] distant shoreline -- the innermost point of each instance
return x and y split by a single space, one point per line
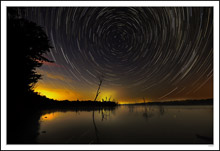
184 102
42 102
97 104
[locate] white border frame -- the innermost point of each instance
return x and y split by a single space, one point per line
214 4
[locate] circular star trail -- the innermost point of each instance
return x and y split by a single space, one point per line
154 52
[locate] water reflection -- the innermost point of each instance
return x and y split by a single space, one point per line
148 112
161 109
127 125
96 129
78 122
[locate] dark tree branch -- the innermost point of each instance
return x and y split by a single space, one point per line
98 90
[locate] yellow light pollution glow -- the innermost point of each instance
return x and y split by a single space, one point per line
57 94
60 87
106 94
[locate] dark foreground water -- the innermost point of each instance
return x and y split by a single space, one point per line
128 125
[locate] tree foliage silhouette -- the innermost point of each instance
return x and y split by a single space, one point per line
26 44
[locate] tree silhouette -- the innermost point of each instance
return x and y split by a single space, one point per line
26 44
98 90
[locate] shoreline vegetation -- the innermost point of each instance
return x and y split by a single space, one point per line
42 102
180 102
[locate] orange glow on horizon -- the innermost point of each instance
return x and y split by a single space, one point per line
68 94
56 94
133 101
60 93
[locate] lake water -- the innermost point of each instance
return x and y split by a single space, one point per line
128 125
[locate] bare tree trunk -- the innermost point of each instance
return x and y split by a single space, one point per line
144 99
97 93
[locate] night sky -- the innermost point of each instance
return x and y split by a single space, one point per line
160 53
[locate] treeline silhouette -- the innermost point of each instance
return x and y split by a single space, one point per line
182 102
42 102
27 43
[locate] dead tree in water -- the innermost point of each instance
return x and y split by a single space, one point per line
144 99
98 91
93 113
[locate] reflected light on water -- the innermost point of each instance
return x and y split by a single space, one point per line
129 124
49 116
